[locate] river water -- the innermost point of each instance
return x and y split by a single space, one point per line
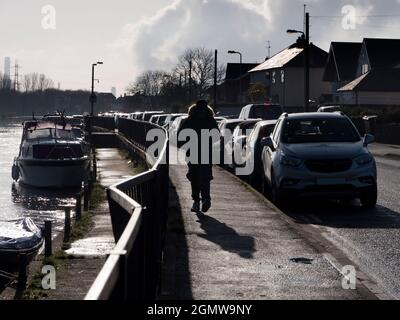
18 201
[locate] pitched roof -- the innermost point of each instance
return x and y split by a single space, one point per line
279 60
383 53
343 61
235 71
380 79
293 56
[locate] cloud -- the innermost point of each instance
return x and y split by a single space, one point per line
155 42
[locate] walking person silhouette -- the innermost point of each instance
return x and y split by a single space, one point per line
200 175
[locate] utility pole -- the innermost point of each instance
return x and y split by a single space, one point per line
240 71
307 65
269 49
16 76
93 97
306 43
215 78
190 80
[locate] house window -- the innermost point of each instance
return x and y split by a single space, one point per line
365 68
274 77
282 76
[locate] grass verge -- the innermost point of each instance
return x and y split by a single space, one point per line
79 230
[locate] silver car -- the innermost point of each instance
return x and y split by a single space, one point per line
319 155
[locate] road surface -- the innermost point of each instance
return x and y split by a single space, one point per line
369 238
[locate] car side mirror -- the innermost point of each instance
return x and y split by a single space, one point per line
368 139
267 142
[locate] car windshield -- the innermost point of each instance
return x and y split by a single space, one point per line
266 112
319 130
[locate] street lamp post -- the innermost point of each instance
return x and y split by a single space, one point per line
93 96
240 70
306 38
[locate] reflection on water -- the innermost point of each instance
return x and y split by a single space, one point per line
20 201
41 204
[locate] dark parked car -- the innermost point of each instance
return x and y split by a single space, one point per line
261 111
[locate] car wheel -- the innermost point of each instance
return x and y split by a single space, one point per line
370 199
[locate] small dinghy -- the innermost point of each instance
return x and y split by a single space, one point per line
18 238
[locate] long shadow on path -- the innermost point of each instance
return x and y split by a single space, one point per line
226 237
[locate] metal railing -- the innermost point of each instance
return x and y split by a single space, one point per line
103 122
138 209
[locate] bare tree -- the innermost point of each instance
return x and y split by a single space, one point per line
1 81
36 82
27 83
44 83
149 83
202 72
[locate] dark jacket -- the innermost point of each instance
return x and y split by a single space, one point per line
199 119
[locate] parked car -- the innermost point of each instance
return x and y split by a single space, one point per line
253 149
135 115
158 119
175 127
319 155
226 128
148 114
171 118
261 111
330 109
154 119
239 138
219 120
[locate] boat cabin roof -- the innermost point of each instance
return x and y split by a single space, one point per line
39 125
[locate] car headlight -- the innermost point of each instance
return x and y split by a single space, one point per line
364 159
290 161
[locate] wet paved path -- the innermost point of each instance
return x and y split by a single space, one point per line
243 249
89 254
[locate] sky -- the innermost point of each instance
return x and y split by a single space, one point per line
63 38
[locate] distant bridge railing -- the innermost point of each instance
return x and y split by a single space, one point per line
138 209
103 122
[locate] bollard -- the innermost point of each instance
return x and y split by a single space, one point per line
48 250
78 207
86 195
67 227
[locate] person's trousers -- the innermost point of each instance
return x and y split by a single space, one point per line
200 177
201 189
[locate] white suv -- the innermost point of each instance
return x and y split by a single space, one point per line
319 155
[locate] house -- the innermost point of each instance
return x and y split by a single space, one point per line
377 87
341 67
283 76
237 79
365 74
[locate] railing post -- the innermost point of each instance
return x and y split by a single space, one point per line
22 274
48 250
86 195
94 174
78 207
67 226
